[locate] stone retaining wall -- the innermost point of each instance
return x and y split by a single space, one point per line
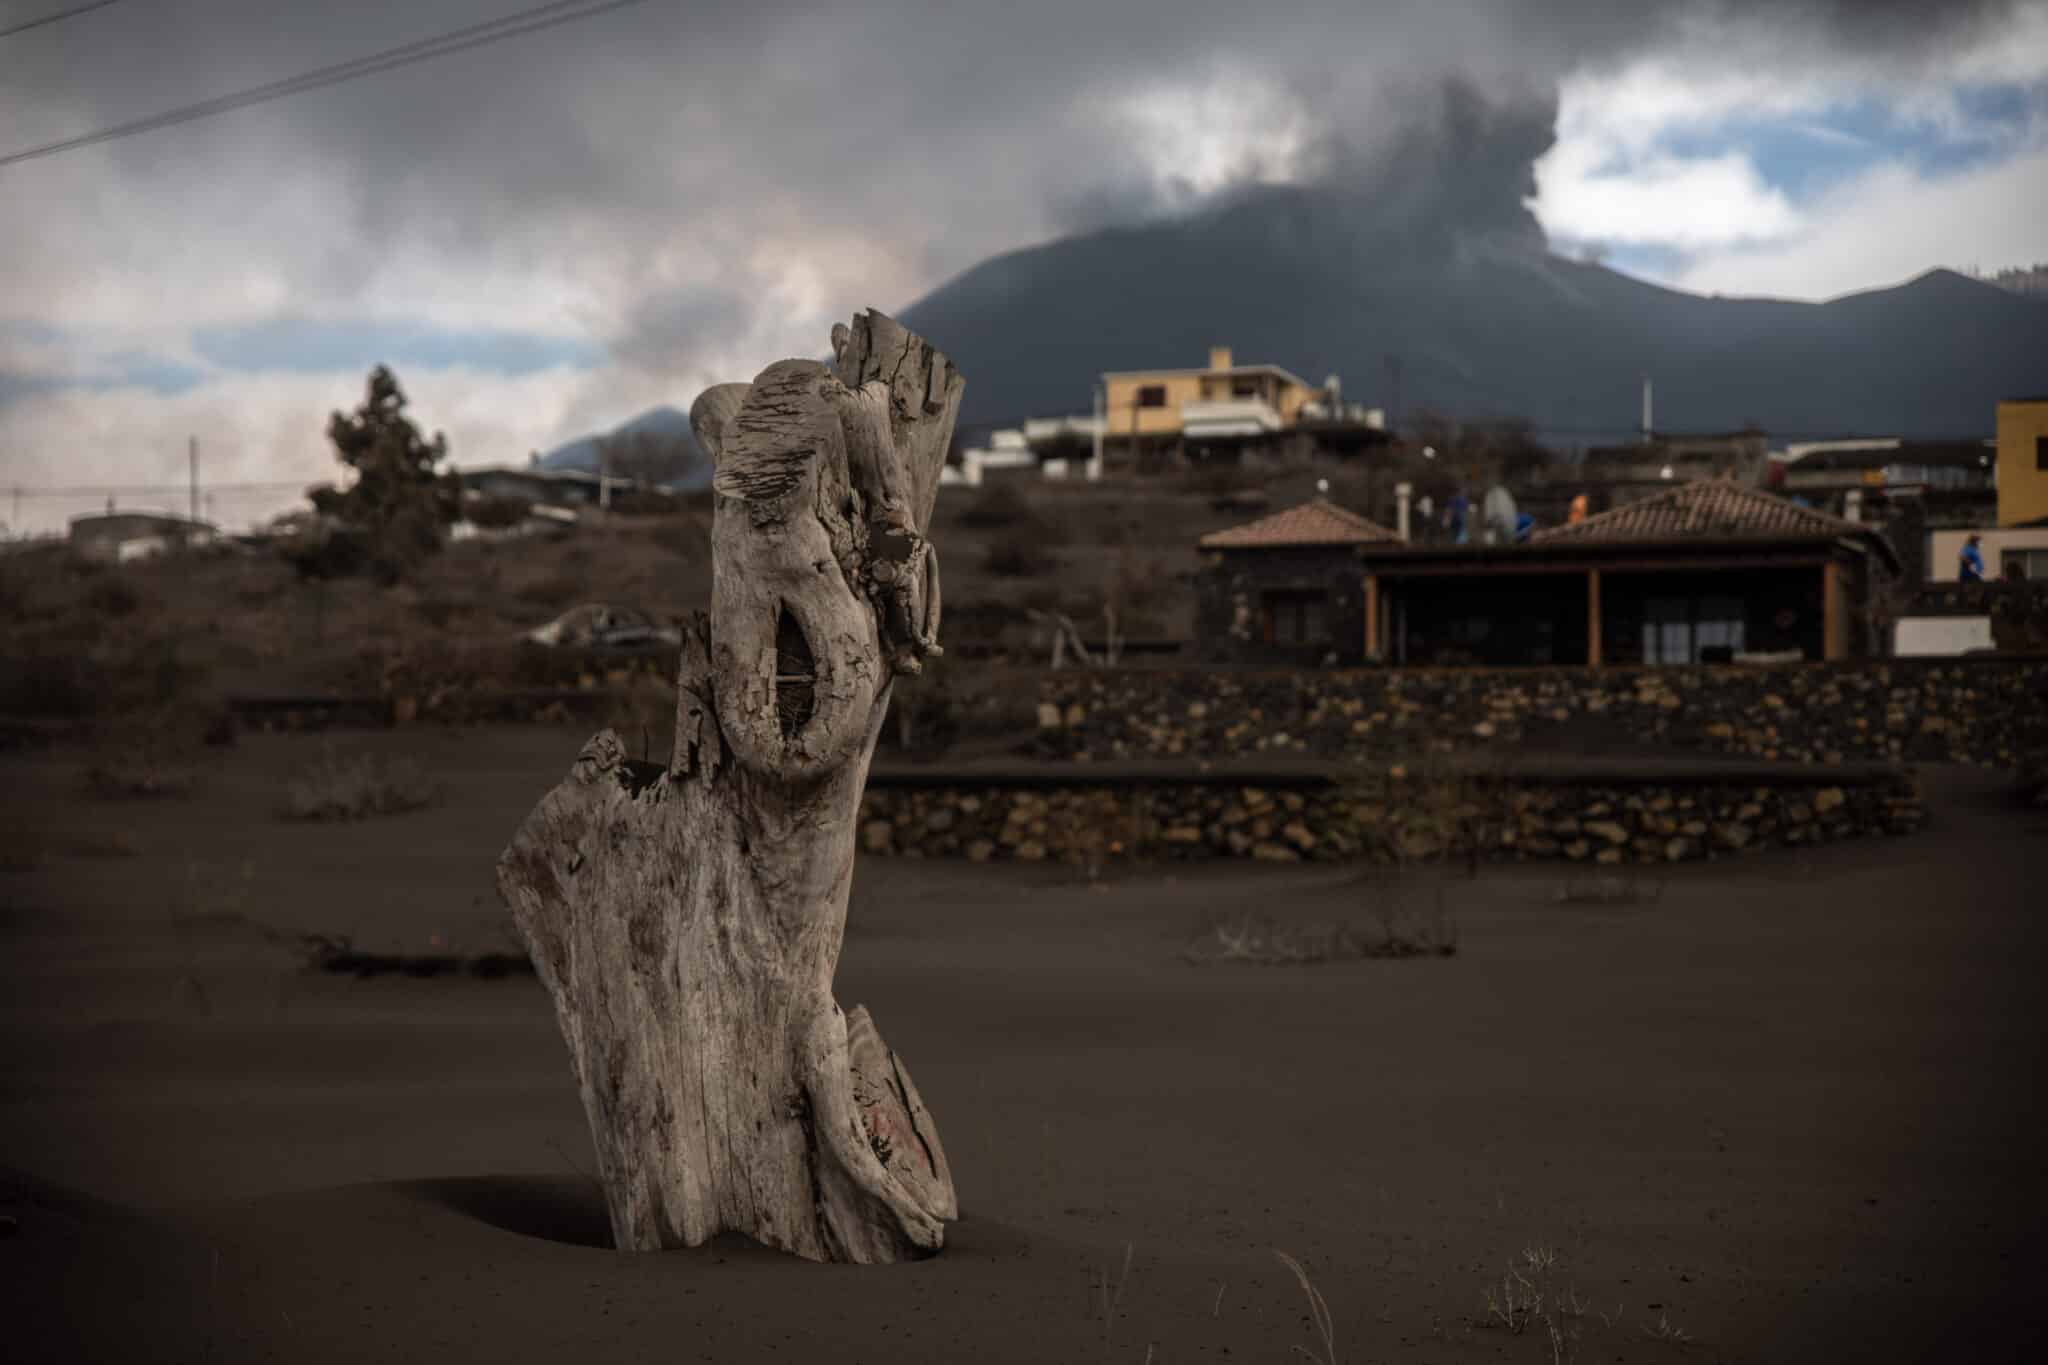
1383 817
1992 712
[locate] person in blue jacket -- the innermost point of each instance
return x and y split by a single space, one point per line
1970 564
1460 513
1524 524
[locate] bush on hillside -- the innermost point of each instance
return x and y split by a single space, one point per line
1019 555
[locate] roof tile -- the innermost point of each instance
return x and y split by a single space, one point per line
1714 508
1315 522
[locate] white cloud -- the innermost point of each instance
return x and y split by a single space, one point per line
1658 200
1892 223
1214 129
1613 177
1607 180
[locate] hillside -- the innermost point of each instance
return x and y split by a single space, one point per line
663 425
1485 324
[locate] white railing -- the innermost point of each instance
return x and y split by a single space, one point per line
1227 417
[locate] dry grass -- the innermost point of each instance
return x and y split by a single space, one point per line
1262 941
154 751
1109 1298
119 775
1664 1329
1002 506
1318 1312
356 787
1611 890
1019 554
1533 1296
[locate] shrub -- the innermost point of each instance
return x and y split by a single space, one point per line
439 609
1215 478
556 590
327 552
645 502
1262 941
153 749
1000 506
1021 555
113 595
50 682
686 537
355 788
495 513
138 772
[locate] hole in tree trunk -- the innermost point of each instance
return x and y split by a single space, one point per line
796 674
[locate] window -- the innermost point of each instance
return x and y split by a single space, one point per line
2031 565
1297 617
1677 629
1152 396
1717 622
2041 452
1667 631
1244 388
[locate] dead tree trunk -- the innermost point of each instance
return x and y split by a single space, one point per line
688 920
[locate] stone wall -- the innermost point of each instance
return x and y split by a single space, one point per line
1383 817
1231 595
1976 711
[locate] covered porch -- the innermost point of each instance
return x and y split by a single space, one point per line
1532 606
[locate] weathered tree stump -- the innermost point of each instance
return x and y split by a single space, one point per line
688 920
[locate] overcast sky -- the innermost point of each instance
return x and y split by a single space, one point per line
547 235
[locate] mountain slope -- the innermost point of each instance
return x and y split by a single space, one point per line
1484 325
665 423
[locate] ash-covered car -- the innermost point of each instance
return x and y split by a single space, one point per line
605 625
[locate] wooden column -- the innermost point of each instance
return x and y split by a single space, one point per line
1592 618
1372 617
1831 614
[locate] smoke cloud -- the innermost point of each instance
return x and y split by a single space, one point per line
695 189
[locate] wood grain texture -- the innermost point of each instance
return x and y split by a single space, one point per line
687 920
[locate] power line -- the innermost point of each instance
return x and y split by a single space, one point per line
117 490
53 18
426 49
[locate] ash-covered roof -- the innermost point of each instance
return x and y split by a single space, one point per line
1316 522
1708 508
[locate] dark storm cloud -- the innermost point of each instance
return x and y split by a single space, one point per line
892 143
663 328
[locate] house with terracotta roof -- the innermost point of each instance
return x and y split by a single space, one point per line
1288 589
1151 418
1706 571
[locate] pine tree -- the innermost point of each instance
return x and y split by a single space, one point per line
399 503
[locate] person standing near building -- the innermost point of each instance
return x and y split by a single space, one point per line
1460 513
1578 512
1970 564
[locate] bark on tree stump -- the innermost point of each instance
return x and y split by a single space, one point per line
688 920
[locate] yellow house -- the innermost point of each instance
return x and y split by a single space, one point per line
1156 412
2022 461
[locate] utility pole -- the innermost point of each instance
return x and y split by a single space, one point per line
1394 378
192 460
1648 425
1101 420
604 474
